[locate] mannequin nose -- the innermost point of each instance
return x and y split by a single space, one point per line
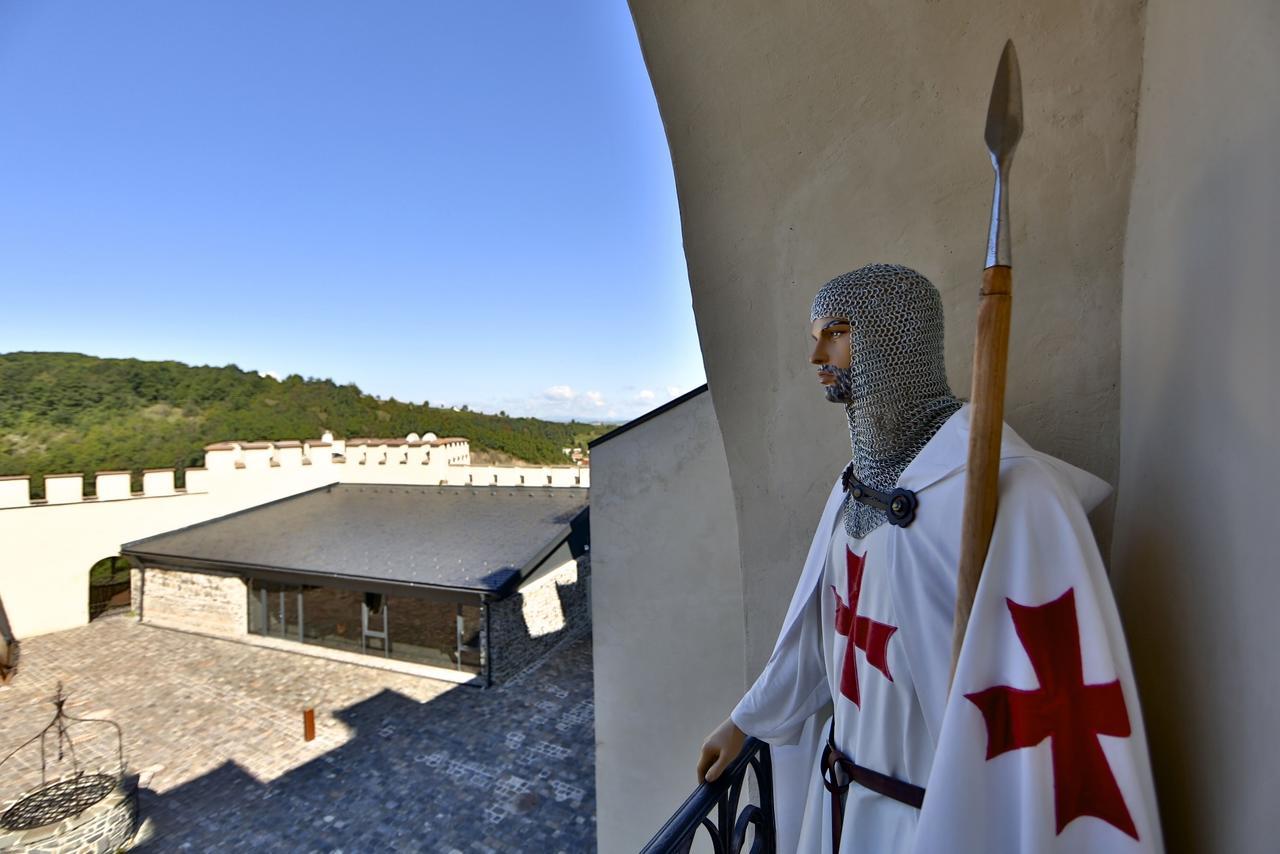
818 356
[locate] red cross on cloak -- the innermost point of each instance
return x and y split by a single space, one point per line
1063 709
865 634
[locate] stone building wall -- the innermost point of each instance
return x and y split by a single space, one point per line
214 603
552 606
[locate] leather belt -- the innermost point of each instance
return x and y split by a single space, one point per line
882 784
898 506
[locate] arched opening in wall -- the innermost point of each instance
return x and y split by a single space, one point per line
108 586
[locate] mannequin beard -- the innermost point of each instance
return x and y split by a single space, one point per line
841 391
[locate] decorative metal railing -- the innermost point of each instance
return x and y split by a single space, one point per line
728 830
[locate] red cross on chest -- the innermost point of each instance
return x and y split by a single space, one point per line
864 633
1063 709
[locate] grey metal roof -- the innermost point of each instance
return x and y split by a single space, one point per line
477 539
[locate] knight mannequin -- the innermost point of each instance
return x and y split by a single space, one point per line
872 395
869 627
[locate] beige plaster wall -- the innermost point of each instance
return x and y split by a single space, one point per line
46 549
667 615
1200 462
810 137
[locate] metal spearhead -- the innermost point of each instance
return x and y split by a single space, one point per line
1004 129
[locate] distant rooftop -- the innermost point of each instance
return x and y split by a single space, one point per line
411 440
479 540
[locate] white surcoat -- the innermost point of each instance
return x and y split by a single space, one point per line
891 595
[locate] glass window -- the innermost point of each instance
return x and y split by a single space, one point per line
273 609
442 634
331 617
428 632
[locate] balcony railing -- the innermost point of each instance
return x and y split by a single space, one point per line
728 829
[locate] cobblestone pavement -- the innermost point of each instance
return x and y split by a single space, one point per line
399 763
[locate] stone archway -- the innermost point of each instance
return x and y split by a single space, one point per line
108 586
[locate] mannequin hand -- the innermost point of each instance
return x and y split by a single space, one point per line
720 748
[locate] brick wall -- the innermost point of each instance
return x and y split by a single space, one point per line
526 625
210 602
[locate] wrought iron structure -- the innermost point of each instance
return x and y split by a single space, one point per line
728 830
103 591
71 793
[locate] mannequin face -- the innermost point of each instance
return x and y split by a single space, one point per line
832 349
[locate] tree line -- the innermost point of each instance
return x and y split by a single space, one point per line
67 412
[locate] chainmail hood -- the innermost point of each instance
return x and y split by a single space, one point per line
895 391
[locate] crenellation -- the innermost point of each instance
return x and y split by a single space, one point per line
319 453
196 480
112 485
257 456
157 482
221 457
288 454
15 491
63 488
236 465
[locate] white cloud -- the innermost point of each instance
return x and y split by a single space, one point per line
562 402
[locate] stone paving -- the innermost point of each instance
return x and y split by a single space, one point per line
399 763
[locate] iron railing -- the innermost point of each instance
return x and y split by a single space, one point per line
100 596
728 830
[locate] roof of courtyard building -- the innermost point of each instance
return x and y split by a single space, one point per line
476 540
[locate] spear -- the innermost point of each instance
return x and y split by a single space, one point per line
991 350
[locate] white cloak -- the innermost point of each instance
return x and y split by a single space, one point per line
1040 746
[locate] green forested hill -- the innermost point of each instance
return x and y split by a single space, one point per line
66 412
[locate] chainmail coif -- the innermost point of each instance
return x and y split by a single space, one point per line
895 391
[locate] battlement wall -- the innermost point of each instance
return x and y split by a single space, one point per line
48 545
245 465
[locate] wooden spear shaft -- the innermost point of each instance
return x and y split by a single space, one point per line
986 421
990 354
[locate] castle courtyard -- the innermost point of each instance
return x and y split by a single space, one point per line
214 730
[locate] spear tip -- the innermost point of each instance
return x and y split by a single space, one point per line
1004 114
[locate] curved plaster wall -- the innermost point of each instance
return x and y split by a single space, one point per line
1200 463
811 137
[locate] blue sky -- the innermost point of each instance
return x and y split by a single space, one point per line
455 202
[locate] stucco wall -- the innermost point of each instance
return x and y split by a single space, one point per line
1200 462
46 549
810 137
667 604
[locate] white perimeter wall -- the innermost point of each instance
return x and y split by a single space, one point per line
1195 563
46 550
667 613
